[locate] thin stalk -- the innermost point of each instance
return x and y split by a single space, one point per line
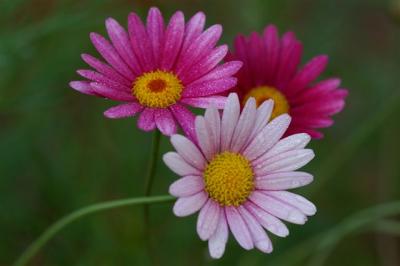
152 168
31 251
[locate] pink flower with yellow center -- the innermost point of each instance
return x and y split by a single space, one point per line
157 70
271 71
237 174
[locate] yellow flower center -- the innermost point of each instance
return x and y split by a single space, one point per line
157 89
229 179
263 93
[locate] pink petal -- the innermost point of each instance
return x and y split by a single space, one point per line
177 164
211 87
83 87
269 222
204 66
97 77
244 126
239 228
213 124
217 242
208 219
194 27
112 94
278 208
256 53
284 162
146 120
313 133
188 205
165 121
297 201
283 180
140 42
293 142
290 57
123 110
307 74
271 42
187 186
105 69
267 137
313 122
173 40
205 102
120 41
155 31
229 120
188 151
241 53
205 142
185 119
110 55
199 48
260 238
225 70
321 88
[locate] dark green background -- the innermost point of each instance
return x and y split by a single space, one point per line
58 153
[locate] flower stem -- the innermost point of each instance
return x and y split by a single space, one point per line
60 224
152 163
148 186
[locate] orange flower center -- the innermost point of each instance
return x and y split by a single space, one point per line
157 89
263 93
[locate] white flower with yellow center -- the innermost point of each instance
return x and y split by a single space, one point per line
236 174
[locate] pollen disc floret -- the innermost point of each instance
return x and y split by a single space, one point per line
157 89
229 179
263 93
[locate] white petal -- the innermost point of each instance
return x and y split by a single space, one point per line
284 162
177 164
213 123
278 208
207 221
260 238
262 117
293 142
283 180
267 137
301 203
186 186
229 120
244 126
239 228
188 151
188 205
203 137
217 242
268 221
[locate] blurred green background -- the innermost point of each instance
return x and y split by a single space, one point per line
59 153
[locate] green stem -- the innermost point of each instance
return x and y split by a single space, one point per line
60 224
148 186
151 173
152 163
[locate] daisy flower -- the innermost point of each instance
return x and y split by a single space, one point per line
271 71
238 173
157 70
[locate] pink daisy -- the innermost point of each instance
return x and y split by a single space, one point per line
158 69
237 174
271 71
